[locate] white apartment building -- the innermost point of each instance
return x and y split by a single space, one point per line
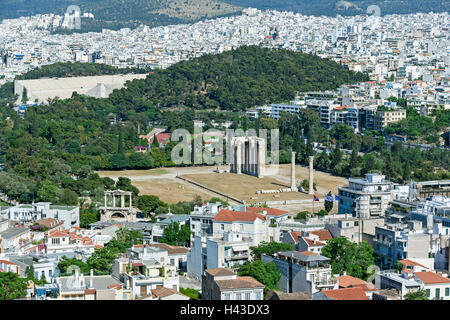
42 210
365 198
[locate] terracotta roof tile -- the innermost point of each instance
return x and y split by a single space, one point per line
323 235
220 272
346 294
230 216
348 281
239 283
270 211
429 277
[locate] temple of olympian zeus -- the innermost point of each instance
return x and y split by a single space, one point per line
118 211
249 157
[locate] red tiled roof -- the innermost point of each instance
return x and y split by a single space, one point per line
295 235
270 211
346 294
429 277
349 281
229 216
165 292
407 263
220 272
323 235
161 138
6 262
311 243
90 291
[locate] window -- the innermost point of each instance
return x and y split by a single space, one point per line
447 292
428 292
226 296
238 296
222 227
258 295
247 296
437 294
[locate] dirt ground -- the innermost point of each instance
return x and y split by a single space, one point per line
164 184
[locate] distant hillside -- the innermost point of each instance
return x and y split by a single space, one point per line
235 80
116 14
344 8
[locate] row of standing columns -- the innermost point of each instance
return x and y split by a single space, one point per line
122 201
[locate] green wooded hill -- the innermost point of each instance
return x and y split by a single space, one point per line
236 80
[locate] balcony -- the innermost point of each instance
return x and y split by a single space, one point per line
237 257
323 283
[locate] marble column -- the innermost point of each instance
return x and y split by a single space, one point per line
311 175
293 184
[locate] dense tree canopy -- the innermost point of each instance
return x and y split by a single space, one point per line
350 257
266 273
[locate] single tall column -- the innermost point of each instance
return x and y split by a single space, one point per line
122 201
261 158
243 164
252 158
311 176
293 184
238 157
247 157
106 203
114 200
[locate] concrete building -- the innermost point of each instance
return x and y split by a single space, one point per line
302 271
385 117
391 245
201 219
229 251
224 284
365 198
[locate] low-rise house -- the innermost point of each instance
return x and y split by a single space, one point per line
65 241
302 271
224 284
436 286
176 255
